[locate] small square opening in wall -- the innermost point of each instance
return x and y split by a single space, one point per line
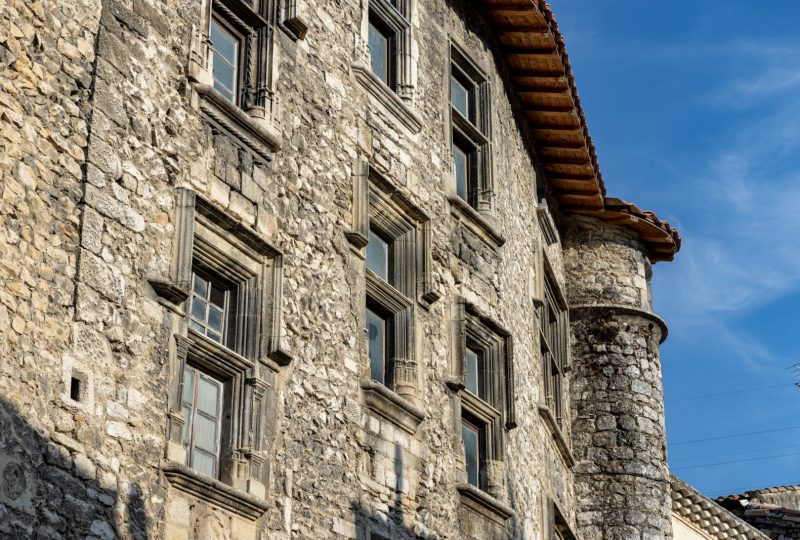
77 386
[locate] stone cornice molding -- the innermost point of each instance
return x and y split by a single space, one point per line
213 491
255 134
484 503
392 406
558 436
581 310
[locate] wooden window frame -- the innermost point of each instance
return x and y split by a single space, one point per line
241 52
198 373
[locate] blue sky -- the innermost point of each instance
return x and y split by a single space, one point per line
695 111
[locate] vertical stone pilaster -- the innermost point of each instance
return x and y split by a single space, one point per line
619 437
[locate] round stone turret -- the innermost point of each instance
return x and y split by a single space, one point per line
618 433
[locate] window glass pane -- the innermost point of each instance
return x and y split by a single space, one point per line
223 42
215 319
461 168
200 286
197 326
470 437
379 52
378 256
188 385
225 60
376 334
205 433
186 410
472 371
214 336
208 391
204 463
198 309
224 76
459 97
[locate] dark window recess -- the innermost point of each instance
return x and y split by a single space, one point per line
553 338
465 170
381 48
226 54
75 389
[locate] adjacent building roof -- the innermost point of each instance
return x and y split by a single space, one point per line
542 79
708 516
762 493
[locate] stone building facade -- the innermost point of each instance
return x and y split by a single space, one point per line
204 204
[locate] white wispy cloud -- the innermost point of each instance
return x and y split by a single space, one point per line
741 248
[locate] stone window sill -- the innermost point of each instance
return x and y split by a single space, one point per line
475 222
484 504
213 491
255 134
386 97
391 406
558 437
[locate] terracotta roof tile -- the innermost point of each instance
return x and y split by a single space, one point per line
542 78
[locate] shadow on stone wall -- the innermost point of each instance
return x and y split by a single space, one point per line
50 489
392 524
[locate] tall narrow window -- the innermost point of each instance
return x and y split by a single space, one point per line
209 307
381 47
388 36
470 434
482 357
553 338
201 405
469 104
226 45
377 336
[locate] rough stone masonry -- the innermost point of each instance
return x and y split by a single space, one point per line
189 191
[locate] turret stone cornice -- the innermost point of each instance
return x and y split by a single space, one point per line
542 79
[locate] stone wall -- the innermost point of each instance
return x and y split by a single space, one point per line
101 124
619 435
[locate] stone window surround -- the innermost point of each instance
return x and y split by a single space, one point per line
557 526
545 273
469 326
377 203
254 121
376 199
206 233
482 220
399 101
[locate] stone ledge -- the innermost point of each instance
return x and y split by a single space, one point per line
611 309
213 491
390 100
259 138
561 442
392 406
475 222
483 503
